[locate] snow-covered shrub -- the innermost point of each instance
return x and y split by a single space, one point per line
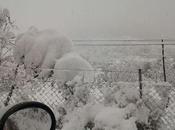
80 98
126 69
11 80
155 72
23 44
10 77
60 114
100 117
122 93
74 76
80 117
48 46
82 93
111 118
155 96
71 65
121 110
76 95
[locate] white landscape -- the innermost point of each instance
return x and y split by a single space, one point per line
90 83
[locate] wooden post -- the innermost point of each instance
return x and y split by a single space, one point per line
163 60
140 83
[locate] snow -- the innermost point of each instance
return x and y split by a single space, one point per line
40 49
32 124
128 124
71 65
142 113
129 112
23 45
119 106
110 117
103 117
77 119
3 110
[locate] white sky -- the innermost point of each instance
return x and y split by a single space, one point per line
84 19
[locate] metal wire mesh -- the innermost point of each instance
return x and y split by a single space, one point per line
48 92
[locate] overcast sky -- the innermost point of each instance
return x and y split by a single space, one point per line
97 18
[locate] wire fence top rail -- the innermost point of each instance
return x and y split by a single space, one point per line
77 69
85 42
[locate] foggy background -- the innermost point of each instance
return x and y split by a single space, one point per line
97 19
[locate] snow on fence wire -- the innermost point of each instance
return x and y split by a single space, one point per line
48 93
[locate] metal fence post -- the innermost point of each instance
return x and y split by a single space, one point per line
164 70
163 60
140 83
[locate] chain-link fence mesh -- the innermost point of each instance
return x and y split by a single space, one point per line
50 94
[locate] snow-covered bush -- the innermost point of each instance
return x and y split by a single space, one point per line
23 44
155 72
100 117
40 49
79 118
111 118
10 77
122 108
126 95
74 76
76 95
71 65
126 69
121 93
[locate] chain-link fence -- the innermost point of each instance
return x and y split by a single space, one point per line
48 93
104 76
